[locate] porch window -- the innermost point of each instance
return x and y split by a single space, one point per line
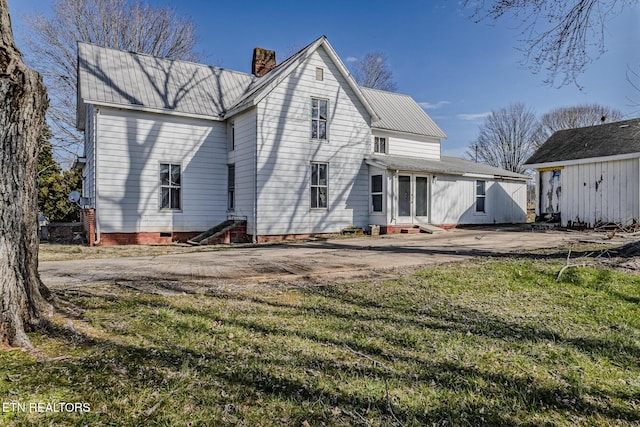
376 193
170 186
319 185
480 196
319 114
380 145
231 187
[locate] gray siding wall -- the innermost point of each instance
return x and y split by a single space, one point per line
400 144
131 146
453 201
244 158
600 192
88 174
286 150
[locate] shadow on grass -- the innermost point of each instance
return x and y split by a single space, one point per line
293 362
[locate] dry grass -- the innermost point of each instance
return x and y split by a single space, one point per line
479 343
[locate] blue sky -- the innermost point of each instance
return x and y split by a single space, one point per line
456 69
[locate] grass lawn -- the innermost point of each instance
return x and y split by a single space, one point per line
479 343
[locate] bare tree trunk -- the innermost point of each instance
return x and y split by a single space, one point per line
23 102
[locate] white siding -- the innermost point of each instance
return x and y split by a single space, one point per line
244 158
600 192
400 144
453 201
132 145
285 152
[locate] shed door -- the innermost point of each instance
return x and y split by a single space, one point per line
550 191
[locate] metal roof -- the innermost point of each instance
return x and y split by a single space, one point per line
115 77
446 165
604 140
400 113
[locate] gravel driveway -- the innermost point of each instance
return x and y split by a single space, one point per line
313 261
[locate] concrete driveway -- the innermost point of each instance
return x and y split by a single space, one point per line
348 258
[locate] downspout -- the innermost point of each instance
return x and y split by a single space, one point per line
95 174
255 185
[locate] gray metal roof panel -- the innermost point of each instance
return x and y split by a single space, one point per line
604 140
446 165
400 113
126 78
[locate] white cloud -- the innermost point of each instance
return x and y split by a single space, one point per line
473 116
352 59
430 106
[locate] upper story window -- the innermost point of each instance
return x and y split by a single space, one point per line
319 73
319 110
170 186
380 145
481 195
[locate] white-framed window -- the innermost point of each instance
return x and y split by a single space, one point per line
379 144
376 193
170 186
319 115
481 195
319 74
319 185
231 187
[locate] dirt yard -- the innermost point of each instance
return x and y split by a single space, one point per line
310 261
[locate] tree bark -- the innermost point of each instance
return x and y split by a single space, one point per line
23 102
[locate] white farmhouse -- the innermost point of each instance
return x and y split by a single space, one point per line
174 148
589 176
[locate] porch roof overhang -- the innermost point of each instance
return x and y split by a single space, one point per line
446 166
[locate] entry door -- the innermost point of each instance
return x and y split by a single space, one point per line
422 199
405 197
413 199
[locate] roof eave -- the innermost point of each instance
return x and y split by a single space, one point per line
585 160
154 110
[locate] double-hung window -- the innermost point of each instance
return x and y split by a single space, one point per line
481 196
170 186
319 114
319 185
376 193
231 187
380 145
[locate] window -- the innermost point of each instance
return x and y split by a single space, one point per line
231 187
170 186
480 195
376 193
232 142
319 185
379 145
319 74
319 118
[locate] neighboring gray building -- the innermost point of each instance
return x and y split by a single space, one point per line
174 148
588 176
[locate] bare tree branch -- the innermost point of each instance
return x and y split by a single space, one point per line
507 138
373 72
120 24
576 117
559 37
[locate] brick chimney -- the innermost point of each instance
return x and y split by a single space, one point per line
263 61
